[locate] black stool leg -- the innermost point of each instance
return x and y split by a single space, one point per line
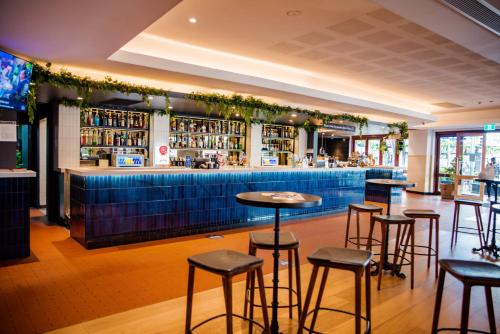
437 305
431 225
436 264
251 251
347 227
290 283
464 322
260 278
297 280
491 310
383 250
228 296
357 311
489 226
412 231
368 296
189 303
479 222
320 296
370 234
357 230
310 290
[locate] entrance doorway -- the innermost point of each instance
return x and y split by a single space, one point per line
467 153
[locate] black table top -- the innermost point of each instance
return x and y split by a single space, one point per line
496 181
391 183
279 199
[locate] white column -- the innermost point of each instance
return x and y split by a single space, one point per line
420 159
255 145
160 129
301 143
68 137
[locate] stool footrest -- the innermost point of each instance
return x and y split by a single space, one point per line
353 240
368 323
433 251
223 315
458 330
281 288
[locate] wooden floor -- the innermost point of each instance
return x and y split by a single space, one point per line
140 288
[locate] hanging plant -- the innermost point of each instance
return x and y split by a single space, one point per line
85 86
403 133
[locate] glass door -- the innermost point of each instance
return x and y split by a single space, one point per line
374 150
470 162
360 146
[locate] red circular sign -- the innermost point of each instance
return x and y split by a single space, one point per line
163 150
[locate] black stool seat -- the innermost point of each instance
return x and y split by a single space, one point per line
421 213
495 208
394 219
342 257
474 272
468 202
265 240
225 262
365 207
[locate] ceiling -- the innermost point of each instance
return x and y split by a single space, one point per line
352 56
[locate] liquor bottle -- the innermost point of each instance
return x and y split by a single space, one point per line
173 124
122 120
99 138
136 121
139 139
204 128
129 139
141 122
146 121
122 139
114 121
96 119
82 137
200 142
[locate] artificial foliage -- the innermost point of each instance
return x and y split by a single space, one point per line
252 109
85 86
403 134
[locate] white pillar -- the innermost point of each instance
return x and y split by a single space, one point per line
420 159
301 142
159 133
255 145
68 137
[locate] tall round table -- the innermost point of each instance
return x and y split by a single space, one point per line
388 184
492 248
277 200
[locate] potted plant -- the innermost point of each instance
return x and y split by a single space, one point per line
447 187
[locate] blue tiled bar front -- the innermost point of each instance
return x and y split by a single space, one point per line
113 207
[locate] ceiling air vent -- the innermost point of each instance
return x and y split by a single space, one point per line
447 105
486 13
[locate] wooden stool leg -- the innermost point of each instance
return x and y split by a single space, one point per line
370 234
491 310
347 227
412 231
436 264
290 284
464 322
357 230
320 296
189 303
453 228
368 298
252 300
437 305
228 296
263 302
251 251
357 302
396 245
429 244
383 250
298 283
489 226
310 291
480 227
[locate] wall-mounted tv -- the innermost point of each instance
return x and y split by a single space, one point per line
15 76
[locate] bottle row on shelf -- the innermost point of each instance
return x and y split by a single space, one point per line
207 142
278 145
115 119
207 126
99 137
278 131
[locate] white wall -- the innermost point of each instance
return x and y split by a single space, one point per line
255 145
159 132
421 159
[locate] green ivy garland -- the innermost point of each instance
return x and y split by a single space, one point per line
251 108
85 86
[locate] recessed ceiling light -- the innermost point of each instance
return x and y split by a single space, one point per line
170 107
294 115
150 97
290 120
294 12
341 122
79 98
237 115
193 19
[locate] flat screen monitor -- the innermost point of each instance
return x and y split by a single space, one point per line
15 76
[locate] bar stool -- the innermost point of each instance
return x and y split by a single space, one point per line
479 221
226 263
370 208
400 221
288 242
470 273
433 217
357 261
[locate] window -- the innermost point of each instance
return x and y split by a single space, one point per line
374 150
360 146
389 155
403 155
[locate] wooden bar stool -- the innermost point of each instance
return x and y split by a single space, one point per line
433 218
470 273
357 261
408 225
226 263
358 208
288 242
464 229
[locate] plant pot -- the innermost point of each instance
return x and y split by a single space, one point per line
447 190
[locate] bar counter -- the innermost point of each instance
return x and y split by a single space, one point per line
112 206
